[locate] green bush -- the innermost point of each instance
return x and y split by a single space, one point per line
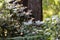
17 24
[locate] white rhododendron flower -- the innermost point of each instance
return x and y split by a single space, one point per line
10 6
28 23
7 1
33 32
47 19
54 17
57 39
53 23
29 12
39 22
58 21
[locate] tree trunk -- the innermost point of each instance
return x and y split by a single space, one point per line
36 7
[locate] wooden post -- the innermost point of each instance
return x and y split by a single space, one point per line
36 7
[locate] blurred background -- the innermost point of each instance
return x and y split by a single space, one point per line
50 8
